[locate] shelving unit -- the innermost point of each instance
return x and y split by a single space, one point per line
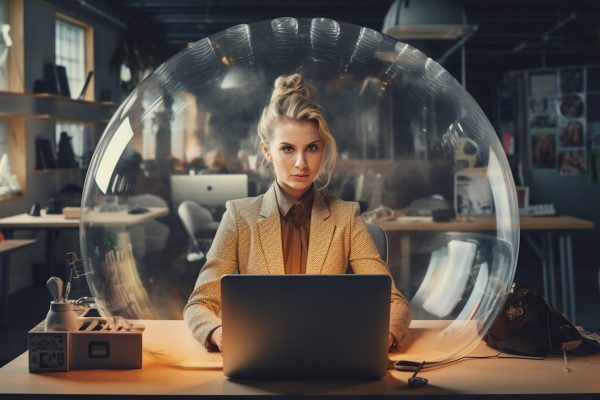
17 149
59 170
49 106
24 112
31 116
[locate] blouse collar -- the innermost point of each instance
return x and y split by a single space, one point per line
285 202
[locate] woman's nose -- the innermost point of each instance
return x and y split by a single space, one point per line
300 161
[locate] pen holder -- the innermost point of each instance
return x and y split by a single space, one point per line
61 317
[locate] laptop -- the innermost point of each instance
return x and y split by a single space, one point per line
208 190
305 326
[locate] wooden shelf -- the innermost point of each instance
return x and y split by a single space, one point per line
58 98
51 106
49 117
10 197
7 93
69 99
58 170
28 114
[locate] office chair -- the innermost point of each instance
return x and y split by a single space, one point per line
155 234
380 238
196 218
146 200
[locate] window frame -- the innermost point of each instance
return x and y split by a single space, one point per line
88 52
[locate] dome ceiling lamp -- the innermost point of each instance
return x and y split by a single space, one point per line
442 20
426 19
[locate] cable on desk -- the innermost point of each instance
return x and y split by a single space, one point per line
403 365
416 382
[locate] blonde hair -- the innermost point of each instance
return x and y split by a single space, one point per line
290 100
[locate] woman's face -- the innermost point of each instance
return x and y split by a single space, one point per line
296 152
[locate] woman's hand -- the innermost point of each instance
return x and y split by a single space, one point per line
391 341
402 345
216 338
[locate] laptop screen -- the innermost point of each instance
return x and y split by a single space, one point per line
305 326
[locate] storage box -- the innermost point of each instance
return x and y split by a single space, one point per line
72 212
48 351
62 351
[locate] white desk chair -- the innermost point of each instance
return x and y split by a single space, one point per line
196 218
146 200
155 233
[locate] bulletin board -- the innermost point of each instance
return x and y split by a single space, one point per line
557 119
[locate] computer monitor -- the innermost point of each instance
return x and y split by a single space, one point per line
208 190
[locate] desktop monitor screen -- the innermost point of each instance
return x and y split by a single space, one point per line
208 190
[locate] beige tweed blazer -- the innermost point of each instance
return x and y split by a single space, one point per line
248 241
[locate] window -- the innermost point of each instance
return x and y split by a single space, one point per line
5 44
73 51
77 133
3 138
4 186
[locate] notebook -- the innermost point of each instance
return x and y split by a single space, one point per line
305 326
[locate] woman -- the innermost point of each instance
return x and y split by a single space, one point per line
270 234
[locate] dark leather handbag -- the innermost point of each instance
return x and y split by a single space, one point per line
528 325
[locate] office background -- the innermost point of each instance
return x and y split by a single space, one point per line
505 42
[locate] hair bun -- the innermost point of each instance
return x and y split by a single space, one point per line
289 85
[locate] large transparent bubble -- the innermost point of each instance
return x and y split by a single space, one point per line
414 147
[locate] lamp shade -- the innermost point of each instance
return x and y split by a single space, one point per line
426 19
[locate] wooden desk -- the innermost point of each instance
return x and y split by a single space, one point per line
545 227
174 364
474 224
54 223
114 218
7 246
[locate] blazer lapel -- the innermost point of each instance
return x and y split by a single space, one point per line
269 229
321 234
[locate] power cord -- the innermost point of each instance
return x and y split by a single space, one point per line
417 382
498 355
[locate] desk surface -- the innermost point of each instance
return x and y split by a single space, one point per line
14 244
175 365
116 218
481 223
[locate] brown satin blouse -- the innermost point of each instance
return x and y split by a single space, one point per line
295 229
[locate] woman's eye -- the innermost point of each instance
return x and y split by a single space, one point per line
287 149
312 147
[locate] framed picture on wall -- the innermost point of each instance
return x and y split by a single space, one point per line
543 148
572 133
542 112
572 106
543 84
571 161
571 80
